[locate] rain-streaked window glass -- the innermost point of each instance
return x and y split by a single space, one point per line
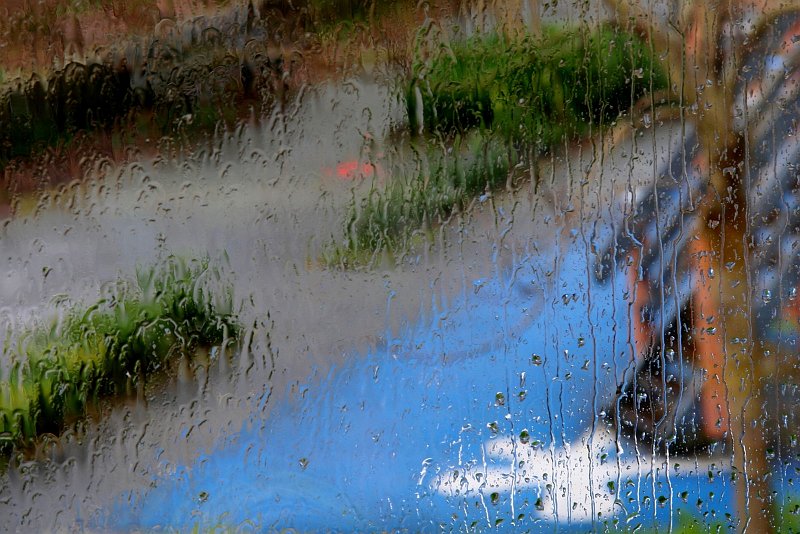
363 265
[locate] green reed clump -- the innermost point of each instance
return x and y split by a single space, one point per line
102 350
537 91
445 181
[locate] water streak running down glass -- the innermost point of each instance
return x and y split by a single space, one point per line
354 265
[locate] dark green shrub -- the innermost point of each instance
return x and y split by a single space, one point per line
204 80
608 71
340 9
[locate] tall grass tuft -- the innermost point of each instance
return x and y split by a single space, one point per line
535 91
445 180
98 351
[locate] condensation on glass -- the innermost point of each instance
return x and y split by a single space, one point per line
359 265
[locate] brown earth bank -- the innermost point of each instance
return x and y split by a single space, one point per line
35 35
181 70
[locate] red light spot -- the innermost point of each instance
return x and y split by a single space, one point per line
347 170
352 170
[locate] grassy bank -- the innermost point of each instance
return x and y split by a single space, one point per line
445 180
179 80
93 352
540 92
485 104
188 75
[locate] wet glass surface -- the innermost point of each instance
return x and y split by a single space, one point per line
372 266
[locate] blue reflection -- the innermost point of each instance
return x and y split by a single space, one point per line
491 416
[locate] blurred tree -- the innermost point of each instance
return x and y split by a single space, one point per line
705 45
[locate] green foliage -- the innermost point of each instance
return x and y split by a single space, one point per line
40 112
103 349
188 85
534 91
522 94
442 184
788 516
786 520
688 523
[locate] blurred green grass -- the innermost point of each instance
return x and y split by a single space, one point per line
540 92
444 180
93 352
493 102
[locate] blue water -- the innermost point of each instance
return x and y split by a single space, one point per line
441 430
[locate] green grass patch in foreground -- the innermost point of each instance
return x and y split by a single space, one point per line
97 351
446 180
538 91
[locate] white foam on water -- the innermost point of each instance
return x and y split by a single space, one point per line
570 484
